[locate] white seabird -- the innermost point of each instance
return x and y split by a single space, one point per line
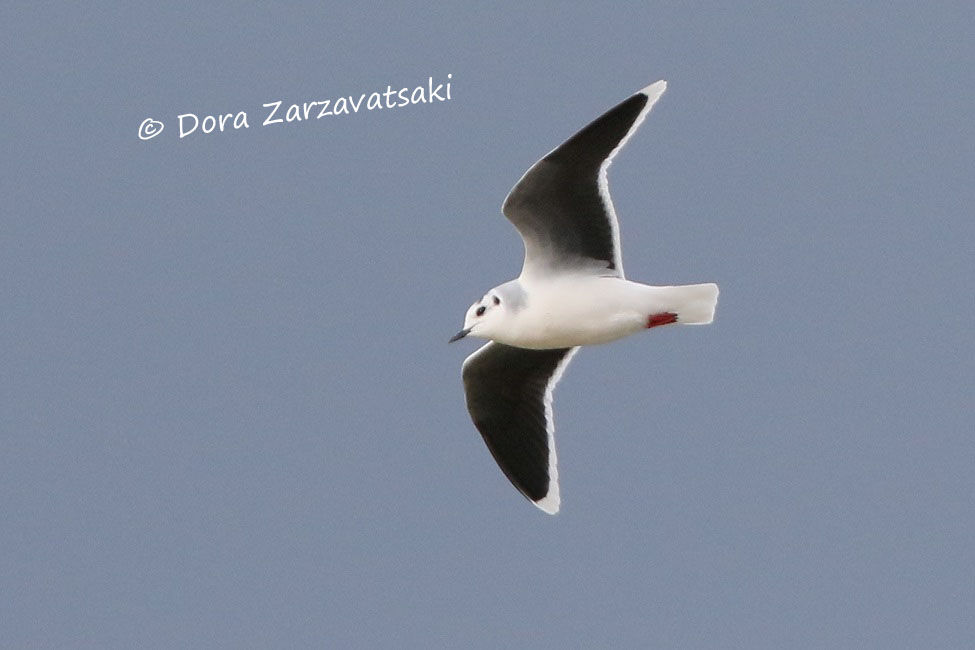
571 292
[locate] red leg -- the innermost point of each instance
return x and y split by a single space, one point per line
665 318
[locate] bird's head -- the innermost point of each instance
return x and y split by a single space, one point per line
485 318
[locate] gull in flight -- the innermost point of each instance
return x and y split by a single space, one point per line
571 292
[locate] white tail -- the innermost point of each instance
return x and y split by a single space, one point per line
694 303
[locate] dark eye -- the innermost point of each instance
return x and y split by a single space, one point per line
497 301
480 310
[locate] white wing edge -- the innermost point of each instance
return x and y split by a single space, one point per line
551 502
653 93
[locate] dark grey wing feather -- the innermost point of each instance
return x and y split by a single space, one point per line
562 207
509 397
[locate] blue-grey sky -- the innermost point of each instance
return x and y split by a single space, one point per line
229 416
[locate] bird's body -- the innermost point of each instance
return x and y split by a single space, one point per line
573 309
571 292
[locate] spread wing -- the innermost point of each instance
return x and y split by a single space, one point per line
562 207
509 396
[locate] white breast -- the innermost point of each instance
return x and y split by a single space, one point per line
575 311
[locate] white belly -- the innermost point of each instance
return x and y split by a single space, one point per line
580 311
